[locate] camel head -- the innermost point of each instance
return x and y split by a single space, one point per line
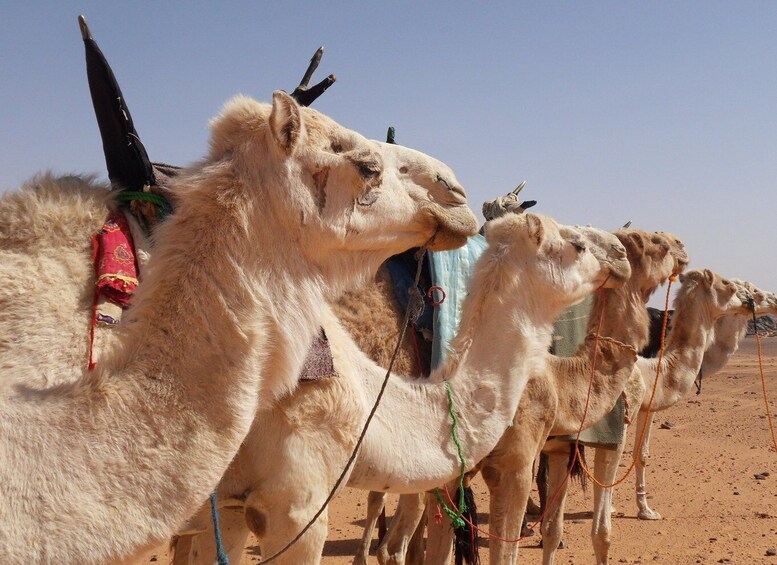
568 263
654 257
761 300
718 295
677 251
338 191
608 250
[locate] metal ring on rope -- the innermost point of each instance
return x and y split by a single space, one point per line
431 290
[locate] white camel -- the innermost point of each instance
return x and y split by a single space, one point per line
703 298
532 269
286 210
553 404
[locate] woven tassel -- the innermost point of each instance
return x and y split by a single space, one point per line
466 550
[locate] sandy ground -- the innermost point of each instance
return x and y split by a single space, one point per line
700 478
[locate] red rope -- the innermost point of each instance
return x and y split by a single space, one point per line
432 289
641 437
763 382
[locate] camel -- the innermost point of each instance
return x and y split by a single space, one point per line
722 342
504 330
729 330
553 404
703 298
286 210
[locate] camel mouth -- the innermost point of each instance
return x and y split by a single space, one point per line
618 273
681 265
452 226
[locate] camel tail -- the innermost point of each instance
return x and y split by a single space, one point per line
576 466
466 543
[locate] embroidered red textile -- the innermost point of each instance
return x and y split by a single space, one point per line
117 272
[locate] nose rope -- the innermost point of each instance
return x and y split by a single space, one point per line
763 380
641 437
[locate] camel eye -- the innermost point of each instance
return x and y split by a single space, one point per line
579 246
403 170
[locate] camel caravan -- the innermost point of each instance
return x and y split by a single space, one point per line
233 342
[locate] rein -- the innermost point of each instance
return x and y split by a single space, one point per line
413 310
650 403
763 380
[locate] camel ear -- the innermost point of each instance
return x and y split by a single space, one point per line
285 121
709 276
535 229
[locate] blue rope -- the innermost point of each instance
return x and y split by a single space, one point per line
214 514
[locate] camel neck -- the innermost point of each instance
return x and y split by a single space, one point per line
153 429
498 344
692 324
625 317
723 341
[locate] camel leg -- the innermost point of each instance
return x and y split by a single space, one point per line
439 536
417 547
376 501
553 523
605 468
410 511
645 512
508 495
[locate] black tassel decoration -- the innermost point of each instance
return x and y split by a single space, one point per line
466 545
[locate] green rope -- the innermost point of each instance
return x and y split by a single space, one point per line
455 516
160 202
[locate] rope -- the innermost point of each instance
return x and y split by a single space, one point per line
456 517
650 403
414 307
560 487
222 557
763 380
156 199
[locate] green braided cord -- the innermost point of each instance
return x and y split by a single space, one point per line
455 517
159 201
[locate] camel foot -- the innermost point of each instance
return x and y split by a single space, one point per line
613 511
648 514
527 532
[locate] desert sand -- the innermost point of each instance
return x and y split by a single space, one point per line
701 478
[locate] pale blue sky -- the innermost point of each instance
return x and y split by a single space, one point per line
664 113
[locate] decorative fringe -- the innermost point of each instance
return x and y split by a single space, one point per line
465 548
574 464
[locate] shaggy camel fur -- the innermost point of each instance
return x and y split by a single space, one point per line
552 403
408 448
287 209
703 298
